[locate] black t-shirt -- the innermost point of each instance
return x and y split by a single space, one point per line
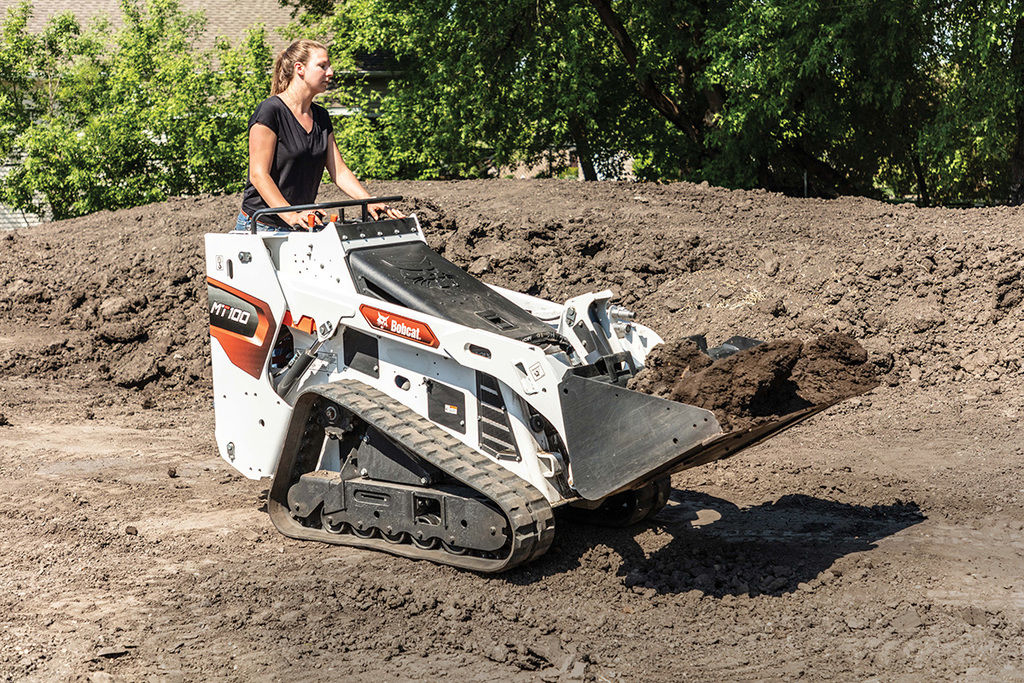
299 158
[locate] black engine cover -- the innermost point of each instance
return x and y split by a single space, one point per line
412 275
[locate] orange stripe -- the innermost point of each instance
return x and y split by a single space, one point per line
247 353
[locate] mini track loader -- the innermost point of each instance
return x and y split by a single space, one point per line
402 405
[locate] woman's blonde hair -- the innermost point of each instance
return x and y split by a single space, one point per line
298 52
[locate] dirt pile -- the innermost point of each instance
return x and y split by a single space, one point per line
762 383
116 297
934 295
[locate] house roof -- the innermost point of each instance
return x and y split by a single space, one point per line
228 19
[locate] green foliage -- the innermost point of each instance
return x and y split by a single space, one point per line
888 98
969 144
368 149
762 88
809 80
100 123
483 84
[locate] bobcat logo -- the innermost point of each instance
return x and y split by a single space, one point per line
398 325
422 272
428 276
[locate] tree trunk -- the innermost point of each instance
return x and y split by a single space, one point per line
923 196
650 91
1016 193
583 151
715 97
827 180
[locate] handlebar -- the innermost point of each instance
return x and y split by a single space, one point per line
326 205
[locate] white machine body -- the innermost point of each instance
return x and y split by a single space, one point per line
268 285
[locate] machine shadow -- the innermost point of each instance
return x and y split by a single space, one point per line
709 544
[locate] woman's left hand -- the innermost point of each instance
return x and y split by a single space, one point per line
382 211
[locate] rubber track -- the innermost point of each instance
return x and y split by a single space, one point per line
531 520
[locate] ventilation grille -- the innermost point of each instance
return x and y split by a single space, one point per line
496 437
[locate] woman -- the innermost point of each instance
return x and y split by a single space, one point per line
291 141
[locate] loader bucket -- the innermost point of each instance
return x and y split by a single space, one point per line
618 439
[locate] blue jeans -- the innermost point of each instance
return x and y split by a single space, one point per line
242 225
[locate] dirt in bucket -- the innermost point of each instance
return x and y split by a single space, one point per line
762 383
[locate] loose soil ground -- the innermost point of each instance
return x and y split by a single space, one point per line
880 539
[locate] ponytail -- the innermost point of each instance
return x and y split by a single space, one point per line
284 66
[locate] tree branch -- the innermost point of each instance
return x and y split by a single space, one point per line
650 91
583 151
923 196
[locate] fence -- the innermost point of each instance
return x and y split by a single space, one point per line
11 218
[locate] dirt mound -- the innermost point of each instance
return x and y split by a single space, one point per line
117 297
762 383
934 295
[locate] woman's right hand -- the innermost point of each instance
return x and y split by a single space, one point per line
295 218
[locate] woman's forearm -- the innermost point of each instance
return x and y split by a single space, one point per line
348 183
340 173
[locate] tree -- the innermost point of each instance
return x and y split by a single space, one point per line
976 139
14 81
483 85
818 91
741 93
893 97
137 118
